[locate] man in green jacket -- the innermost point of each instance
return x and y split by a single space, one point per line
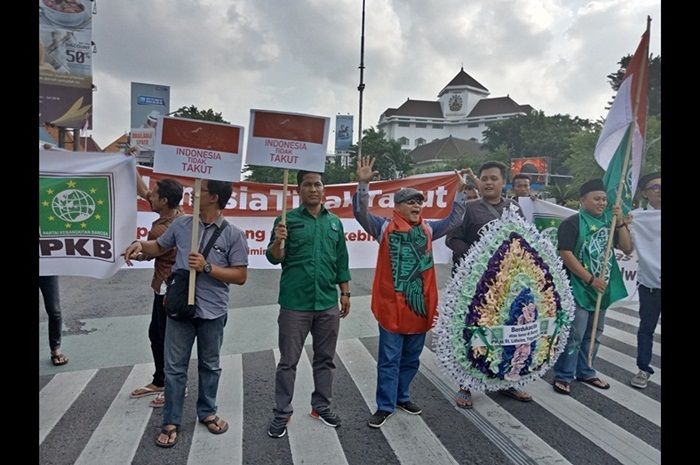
311 248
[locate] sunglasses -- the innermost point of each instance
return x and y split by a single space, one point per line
654 187
414 202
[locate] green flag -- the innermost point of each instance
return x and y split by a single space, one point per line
614 173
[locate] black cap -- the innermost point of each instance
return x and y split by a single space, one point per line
644 180
591 186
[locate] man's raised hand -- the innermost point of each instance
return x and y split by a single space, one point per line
364 169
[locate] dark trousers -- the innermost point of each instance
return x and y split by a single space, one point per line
649 312
49 290
294 326
156 334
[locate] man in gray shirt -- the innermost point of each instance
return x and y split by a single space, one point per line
225 264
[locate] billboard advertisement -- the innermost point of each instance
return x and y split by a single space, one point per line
148 103
343 133
65 63
535 167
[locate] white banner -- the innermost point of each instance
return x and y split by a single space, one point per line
87 212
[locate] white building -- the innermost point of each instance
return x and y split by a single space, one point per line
462 110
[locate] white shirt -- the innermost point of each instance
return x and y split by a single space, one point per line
646 236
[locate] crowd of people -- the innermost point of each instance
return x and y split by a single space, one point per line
314 292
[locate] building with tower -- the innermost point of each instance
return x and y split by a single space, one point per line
463 110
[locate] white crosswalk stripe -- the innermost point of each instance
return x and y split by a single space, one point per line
58 395
117 434
306 433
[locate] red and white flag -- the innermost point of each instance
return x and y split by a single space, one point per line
628 108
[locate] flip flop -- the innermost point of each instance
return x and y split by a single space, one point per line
516 394
558 387
169 434
145 391
212 423
595 382
59 359
464 396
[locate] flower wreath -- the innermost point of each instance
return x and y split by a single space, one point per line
506 313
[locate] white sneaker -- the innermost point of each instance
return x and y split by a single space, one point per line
641 379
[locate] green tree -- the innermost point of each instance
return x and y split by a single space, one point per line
534 134
193 112
654 96
390 160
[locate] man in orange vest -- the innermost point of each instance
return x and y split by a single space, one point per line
404 292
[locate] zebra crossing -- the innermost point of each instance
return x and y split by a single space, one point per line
87 416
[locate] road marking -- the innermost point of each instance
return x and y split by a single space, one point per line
57 397
408 435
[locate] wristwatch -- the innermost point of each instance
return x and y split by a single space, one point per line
207 267
345 294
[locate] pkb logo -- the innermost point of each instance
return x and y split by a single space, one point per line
75 216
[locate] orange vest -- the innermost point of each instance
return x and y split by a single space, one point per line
388 305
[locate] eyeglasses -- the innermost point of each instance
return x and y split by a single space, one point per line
414 202
654 187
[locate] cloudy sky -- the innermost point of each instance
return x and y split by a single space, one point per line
303 55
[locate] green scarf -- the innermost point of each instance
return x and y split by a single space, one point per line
410 257
590 247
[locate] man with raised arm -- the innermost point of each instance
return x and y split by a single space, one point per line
404 292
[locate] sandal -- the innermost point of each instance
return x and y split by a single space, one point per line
146 391
213 425
169 433
58 359
516 394
159 401
562 387
595 382
463 399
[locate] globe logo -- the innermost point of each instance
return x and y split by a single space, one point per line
73 205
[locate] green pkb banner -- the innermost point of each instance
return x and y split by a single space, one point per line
75 206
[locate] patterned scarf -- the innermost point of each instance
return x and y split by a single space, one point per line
592 239
404 292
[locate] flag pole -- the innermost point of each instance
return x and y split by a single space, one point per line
194 244
361 87
618 195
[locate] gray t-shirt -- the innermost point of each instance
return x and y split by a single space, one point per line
230 249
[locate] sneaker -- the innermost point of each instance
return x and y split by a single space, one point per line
379 418
278 427
641 379
409 407
327 416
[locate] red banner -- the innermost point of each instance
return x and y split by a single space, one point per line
253 199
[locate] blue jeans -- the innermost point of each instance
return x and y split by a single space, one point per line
52 302
649 312
397 364
574 360
179 338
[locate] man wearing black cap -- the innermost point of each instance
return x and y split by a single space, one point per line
492 180
404 292
646 237
582 241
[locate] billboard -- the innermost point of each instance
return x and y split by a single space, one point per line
148 103
535 167
343 133
65 63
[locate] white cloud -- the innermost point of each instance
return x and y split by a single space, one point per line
268 54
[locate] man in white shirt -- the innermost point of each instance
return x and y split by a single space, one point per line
646 236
